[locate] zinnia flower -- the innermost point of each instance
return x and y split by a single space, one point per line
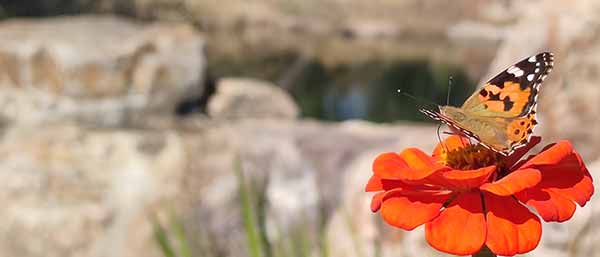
468 196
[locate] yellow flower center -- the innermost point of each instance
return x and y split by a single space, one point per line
470 157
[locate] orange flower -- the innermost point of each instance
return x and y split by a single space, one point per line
468 196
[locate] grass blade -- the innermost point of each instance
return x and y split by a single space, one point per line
248 215
180 236
162 238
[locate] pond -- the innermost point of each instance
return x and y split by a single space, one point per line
367 90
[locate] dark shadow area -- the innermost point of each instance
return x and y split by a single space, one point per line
40 8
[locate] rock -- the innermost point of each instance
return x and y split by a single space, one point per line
100 70
333 32
73 191
69 191
238 98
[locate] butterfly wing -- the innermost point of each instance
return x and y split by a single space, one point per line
501 115
502 135
513 92
506 104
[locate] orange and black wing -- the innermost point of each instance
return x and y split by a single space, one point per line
513 92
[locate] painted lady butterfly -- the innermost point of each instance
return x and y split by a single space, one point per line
501 115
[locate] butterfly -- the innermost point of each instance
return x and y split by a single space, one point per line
501 115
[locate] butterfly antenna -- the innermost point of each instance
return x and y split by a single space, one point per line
419 101
449 90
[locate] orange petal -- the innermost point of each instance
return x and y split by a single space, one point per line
548 204
582 190
450 143
376 201
512 228
411 164
410 210
390 166
459 229
562 183
374 184
421 164
377 184
463 179
552 155
514 182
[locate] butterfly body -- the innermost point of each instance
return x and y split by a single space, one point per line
501 115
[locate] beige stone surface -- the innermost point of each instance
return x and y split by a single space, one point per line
240 98
96 69
69 191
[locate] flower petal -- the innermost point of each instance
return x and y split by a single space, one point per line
421 164
512 228
376 201
514 182
408 210
374 184
390 166
459 229
551 155
411 164
583 189
450 143
548 204
565 181
463 179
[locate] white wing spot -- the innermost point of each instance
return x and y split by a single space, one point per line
544 76
530 77
515 71
537 64
537 70
532 59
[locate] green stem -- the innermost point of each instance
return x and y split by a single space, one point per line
484 252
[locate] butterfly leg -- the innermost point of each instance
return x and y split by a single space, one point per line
457 133
440 138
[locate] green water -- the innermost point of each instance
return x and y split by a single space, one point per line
355 91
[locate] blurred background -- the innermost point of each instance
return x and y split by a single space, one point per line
238 128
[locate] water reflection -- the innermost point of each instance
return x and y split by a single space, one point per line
352 104
352 91
369 91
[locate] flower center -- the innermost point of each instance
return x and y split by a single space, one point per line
471 157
